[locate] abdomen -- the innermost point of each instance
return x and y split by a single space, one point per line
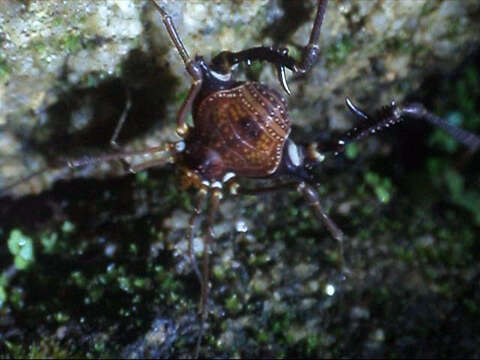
246 126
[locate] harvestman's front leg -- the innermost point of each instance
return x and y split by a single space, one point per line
191 66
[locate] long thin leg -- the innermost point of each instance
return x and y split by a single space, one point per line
201 195
121 121
95 159
311 50
90 160
118 128
182 127
418 111
391 115
172 32
224 61
191 66
214 200
314 201
147 164
7 188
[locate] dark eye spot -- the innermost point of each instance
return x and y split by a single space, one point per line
249 127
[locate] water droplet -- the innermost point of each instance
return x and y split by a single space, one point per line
329 289
241 226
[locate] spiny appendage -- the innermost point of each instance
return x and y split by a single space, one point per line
393 114
247 125
385 117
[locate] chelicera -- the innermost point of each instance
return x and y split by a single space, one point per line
241 129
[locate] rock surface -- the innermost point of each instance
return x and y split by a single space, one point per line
64 66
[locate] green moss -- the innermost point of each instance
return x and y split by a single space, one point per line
141 177
133 248
337 53
382 187
49 242
233 304
453 27
78 279
219 272
68 227
399 44
262 336
38 45
93 79
180 96
45 348
428 8
15 298
351 151
4 69
312 343
57 21
447 177
71 43
254 70
472 306
443 140
21 247
294 52
3 291
61 317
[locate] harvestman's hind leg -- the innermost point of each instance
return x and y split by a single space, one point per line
314 201
190 65
214 197
201 196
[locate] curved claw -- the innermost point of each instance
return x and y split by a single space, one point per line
355 110
283 79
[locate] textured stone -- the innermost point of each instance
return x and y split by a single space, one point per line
60 53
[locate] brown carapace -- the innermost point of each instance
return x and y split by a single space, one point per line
241 129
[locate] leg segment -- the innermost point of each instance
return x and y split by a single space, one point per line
214 200
95 159
391 115
418 111
201 196
118 128
313 200
191 66
121 121
182 127
277 56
